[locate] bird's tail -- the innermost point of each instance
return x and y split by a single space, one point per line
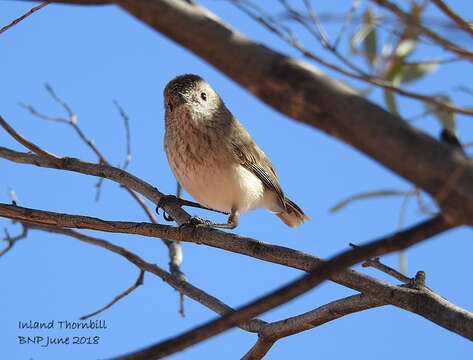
293 216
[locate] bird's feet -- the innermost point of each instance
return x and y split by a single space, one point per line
197 221
166 199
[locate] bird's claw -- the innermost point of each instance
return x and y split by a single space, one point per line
162 202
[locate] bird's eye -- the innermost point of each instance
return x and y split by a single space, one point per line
170 106
203 96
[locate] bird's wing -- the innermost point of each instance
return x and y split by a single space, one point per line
255 160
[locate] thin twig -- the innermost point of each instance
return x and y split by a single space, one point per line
315 20
386 269
181 304
462 23
400 225
98 185
422 206
176 259
13 240
174 250
176 282
347 22
73 122
127 133
465 89
138 282
66 107
359 74
36 149
33 111
410 20
16 21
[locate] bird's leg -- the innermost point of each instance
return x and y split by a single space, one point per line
230 224
167 199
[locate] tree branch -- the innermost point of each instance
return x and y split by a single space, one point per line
235 243
175 281
272 332
174 250
16 21
357 73
12 240
425 304
465 25
410 20
29 145
137 283
101 170
386 269
305 94
282 295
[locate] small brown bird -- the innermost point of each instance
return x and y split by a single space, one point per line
215 159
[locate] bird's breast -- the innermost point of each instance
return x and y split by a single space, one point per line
208 170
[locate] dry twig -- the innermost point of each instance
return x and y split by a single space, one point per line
386 269
175 259
138 282
271 24
12 240
176 282
16 21
409 20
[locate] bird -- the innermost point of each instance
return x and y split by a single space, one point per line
214 158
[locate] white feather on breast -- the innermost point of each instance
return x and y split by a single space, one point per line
221 189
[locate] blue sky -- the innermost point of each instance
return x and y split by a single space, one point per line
93 55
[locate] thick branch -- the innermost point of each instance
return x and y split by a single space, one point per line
294 289
302 92
426 304
274 331
305 94
230 242
319 316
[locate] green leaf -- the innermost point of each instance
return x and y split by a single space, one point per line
405 48
370 47
390 100
367 195
366 36
412 72
393 75
445 117
370 44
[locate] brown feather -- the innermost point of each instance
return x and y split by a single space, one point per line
256 161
